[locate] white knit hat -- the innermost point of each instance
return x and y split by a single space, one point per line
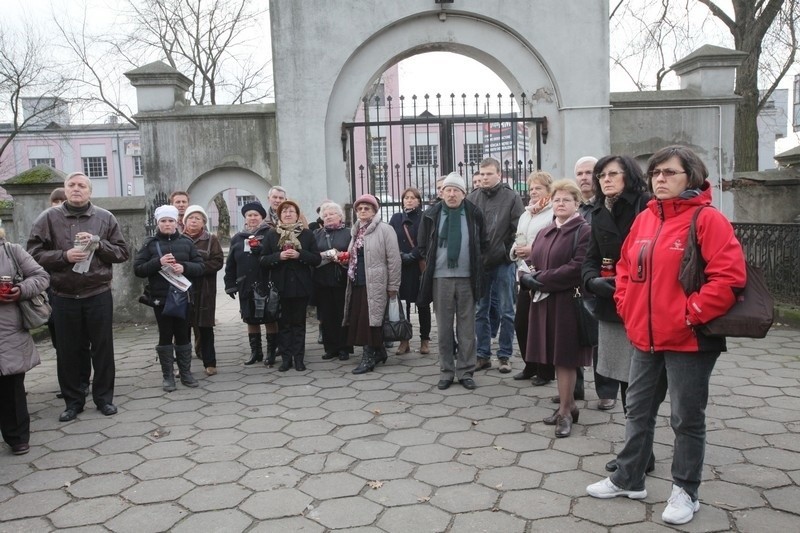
166 211
195 209
454 179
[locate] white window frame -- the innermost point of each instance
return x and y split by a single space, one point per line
89 162
36 161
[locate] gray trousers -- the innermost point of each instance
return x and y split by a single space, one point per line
455 307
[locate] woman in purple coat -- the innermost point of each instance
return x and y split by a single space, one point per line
557 255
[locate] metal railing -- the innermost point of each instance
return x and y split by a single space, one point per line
775 248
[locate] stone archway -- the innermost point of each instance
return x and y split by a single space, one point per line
522 41
203 189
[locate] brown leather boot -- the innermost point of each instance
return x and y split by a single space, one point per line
424 347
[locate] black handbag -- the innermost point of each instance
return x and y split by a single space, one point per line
398 330
35 311
753 311
587 325
176 304
266 302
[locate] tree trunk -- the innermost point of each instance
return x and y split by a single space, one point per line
224 218
745 138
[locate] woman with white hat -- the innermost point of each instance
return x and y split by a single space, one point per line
170 250
205 290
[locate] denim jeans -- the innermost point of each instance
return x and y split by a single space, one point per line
500 285
686 375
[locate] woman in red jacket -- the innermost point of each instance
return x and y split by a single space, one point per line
660 321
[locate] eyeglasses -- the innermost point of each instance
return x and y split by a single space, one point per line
667 172
364 208
611 174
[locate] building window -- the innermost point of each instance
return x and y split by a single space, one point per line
137 165
242 200
95 167
473 153
378 154
425 155
49 161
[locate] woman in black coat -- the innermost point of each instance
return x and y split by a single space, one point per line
330 280
406 225
243 275
289 253
168 248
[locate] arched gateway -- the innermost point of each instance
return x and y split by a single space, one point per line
325 57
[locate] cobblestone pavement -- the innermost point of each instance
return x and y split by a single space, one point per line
253 449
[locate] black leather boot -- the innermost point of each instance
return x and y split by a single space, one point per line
367 363
255 348
286 362
183 354
381 355
272 349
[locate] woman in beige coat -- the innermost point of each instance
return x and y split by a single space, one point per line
373 276
18 353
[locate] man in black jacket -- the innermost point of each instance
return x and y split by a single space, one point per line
452 239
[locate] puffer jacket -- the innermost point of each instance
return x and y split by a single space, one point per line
147 263
52 235
501 208
429 247
18 352
658 316
382 268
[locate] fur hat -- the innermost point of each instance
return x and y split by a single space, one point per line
367 199
454 179
166 211
195 209
254 206
287 203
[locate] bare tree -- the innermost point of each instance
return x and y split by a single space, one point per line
32 85
214 42
665 30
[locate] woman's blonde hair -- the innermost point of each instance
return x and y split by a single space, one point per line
542 178
568 186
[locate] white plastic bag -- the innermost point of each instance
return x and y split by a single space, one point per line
394 310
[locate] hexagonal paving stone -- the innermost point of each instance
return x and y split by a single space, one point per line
410 437
443 474
160 450
334 485
466 439
309 428
47 479
510 478
610 512
753 475
319 463
276 503
548 461
370 449
399 492
571 483
733 438
86 512
32 504
260 441
147 518
295 523
533 504
162 468
731 496
754 520
774 458
226 520
522 442
107 464
464 498
210 454
448 424
484 521
101 485
320 444
158 490
76 442
345 512
382 469
266 479
216 472
399 420
784 498
419 517
267 458
218 437
488 457
575 525
427 454
214 497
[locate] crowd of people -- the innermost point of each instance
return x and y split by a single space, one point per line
611 232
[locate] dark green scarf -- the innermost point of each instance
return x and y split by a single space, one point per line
451 236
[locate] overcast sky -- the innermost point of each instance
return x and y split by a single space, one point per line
432 72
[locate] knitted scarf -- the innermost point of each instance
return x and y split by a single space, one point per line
359 243
534 208
287 235
451 234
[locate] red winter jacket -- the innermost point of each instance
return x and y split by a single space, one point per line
649 296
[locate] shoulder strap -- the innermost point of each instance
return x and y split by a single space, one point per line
17 271
158 248
408 235
693 226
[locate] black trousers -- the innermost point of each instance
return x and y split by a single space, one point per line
204 344
171 329
76 320
424 312
292 327
86 364
15 422
330 310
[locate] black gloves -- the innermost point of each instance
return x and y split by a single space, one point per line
407 258
604 287
232 295
530 282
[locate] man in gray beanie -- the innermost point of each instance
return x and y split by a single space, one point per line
452 239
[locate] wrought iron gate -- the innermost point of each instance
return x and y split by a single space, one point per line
398 144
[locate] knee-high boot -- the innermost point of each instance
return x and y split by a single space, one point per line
299 346
183 354
166 358
255 348
272 347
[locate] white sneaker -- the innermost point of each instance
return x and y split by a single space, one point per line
680 507
606 489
